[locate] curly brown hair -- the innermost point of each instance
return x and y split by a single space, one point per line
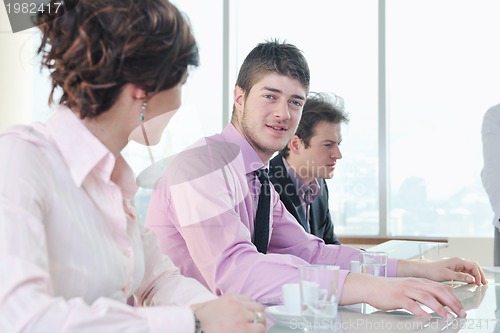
95 48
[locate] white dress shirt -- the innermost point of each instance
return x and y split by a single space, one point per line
490 175
71 249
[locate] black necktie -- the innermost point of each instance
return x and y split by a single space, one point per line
261 223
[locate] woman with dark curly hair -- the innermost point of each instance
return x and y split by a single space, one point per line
71 249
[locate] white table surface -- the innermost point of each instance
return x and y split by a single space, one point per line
482 305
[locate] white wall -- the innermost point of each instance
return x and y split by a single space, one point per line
24 89
479 249
16 78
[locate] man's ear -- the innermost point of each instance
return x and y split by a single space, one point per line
239 99
295 144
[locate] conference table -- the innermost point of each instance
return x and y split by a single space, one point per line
482 304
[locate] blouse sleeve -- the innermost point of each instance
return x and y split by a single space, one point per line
163 283
27 299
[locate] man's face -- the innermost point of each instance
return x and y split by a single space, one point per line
319 159
269 113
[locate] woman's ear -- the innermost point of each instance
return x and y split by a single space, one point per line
138 93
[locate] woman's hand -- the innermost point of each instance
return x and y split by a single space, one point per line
231 314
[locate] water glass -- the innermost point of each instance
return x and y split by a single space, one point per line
429 251
318 296
373 263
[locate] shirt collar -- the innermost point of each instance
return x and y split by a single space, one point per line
80 149
250 157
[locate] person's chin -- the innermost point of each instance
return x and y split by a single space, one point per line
276 145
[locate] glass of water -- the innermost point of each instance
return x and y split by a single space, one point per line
373 263
318 297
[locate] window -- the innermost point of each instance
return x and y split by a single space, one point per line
442 74
424 70
201 110
340 43
440 63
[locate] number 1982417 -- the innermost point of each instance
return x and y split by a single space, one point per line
31 8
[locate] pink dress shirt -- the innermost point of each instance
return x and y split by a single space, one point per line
203 209
71 250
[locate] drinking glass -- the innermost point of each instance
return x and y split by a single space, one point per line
429 251
318 296
374 263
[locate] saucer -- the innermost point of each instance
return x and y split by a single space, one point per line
278 314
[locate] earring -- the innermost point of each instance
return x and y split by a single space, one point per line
143 110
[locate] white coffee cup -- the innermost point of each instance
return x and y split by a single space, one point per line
312 292
354 266
319 294
291 298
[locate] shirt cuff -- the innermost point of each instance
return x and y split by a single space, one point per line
392 267
340 286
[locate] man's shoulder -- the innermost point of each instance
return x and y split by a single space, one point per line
276 165
493 113
276 160
277 169
322 182
279 176
212 150
323 188
202 158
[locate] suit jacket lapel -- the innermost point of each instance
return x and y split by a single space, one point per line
285 183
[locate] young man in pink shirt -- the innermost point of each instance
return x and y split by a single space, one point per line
204 208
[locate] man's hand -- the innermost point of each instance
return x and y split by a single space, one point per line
402 293
452 269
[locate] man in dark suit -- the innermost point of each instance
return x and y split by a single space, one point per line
299 171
